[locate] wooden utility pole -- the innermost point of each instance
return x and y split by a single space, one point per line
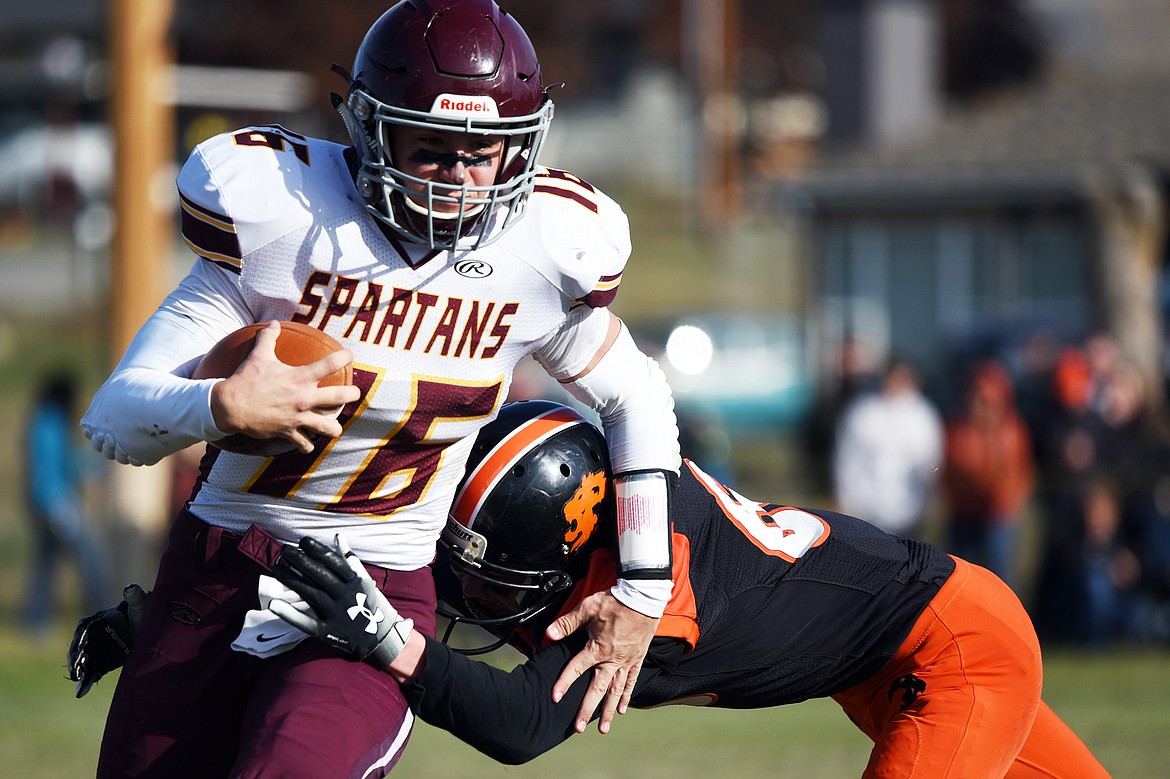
712 38
144 136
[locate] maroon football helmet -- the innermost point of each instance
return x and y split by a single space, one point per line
450 65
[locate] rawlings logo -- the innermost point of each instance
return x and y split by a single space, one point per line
473 269
181 612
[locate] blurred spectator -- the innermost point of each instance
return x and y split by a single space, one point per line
1072 438
1079 502
1103 452
854 374
1140 462
989 472
1106 363
1154 545
61 527
889 453
1087 591
1037 362
1139 439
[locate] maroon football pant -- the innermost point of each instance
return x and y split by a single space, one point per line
186 704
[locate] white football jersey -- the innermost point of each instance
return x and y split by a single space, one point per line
282 233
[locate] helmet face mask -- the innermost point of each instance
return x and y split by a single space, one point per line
535 501
492 592
448 66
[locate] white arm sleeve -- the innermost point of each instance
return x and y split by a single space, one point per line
147 408
630 393
626 388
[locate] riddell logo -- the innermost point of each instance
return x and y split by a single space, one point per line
470 106
465 105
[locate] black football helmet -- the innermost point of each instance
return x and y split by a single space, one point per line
535 499
446 65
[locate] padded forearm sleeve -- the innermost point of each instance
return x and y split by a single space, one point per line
643 525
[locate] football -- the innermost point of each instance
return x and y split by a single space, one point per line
298 344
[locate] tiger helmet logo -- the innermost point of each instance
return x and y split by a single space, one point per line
581 510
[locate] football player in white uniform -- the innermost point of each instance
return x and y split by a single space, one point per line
439 253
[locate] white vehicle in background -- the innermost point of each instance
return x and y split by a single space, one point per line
35 159
749 370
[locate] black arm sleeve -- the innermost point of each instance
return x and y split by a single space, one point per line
507 715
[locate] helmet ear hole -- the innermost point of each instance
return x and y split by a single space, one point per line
566 471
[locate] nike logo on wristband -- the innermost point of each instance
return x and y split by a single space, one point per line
263 639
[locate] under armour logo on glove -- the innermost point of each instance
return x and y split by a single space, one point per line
339 590
374 617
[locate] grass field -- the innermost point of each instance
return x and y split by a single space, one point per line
1119 703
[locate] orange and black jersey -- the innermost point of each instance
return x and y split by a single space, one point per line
771 605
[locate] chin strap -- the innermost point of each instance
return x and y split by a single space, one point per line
358 137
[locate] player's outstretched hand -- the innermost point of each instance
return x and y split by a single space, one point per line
265 398
619 638
102 641
349 612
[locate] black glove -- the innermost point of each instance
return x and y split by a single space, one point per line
102 640
351 613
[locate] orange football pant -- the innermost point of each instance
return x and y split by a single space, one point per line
961 698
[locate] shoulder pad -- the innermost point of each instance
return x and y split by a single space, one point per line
243 189
579 237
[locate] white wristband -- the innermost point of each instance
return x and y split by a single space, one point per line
645 596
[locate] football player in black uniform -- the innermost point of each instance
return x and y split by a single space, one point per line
932 657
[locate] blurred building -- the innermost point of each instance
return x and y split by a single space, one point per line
922 176
57 163
1039 206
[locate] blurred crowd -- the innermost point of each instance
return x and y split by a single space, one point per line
1052 469
1065 442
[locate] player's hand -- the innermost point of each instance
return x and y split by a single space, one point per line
102 641
619 638
349 612
265 398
